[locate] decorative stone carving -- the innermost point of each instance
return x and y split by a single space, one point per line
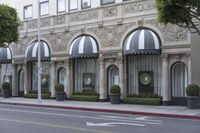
164 57
45 22
19 48
83 16
110 35
21 27
110 11
171 33
59 20
32 24
139 6
59 41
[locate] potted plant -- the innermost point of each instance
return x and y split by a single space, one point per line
60 94
5 90
115 94
193 96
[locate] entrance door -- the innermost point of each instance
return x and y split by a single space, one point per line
179 81
113 76
21 83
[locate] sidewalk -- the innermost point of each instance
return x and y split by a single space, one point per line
163 111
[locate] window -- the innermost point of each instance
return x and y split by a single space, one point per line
28 12
73 5
44 8
60 6
85 4
103 2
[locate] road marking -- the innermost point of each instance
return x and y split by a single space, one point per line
137 118
77 116
112 124
55 126
145 119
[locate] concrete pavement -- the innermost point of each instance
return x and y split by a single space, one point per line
163 111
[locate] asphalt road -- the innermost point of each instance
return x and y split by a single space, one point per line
19 119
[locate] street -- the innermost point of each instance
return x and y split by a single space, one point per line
21 119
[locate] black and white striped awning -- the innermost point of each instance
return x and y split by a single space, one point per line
84 47
5 55
32 51
142 41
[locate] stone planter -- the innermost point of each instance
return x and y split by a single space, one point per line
60 96
115 98
193 102
6 93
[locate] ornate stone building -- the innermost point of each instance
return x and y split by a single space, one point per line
99 45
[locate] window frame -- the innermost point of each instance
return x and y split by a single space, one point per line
75 9
26 18
107 3
43 2
58 8
85 7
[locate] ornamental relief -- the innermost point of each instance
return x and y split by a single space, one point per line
171 33
45 22
59 20
32 24
21 26
59 41
83 16
19 48
110 12
139 6
110 36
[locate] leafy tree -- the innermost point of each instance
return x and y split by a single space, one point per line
184 13
9 24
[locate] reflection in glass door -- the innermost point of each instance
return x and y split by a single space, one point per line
21 83
62 77
113 76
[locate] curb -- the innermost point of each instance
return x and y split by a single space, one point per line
107 110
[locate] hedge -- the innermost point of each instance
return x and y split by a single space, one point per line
84 98
144 101
32 95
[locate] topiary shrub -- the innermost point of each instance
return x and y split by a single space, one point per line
115 89
59 88
5 86
193 90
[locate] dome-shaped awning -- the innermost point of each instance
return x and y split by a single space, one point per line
32 51
5 55
84 47
142 41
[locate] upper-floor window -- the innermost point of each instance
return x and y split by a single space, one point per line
73 5
103 2
60 6
44 7
85 4
28 12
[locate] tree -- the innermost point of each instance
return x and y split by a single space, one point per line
184 13
9 24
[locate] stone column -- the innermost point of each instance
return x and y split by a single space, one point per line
68 82
52 78
14 80
121 78
165 80
189 69
102 90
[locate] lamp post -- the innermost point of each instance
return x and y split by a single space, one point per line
39 57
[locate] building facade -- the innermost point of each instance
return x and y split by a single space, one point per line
93 44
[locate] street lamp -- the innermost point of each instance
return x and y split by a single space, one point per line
39 57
